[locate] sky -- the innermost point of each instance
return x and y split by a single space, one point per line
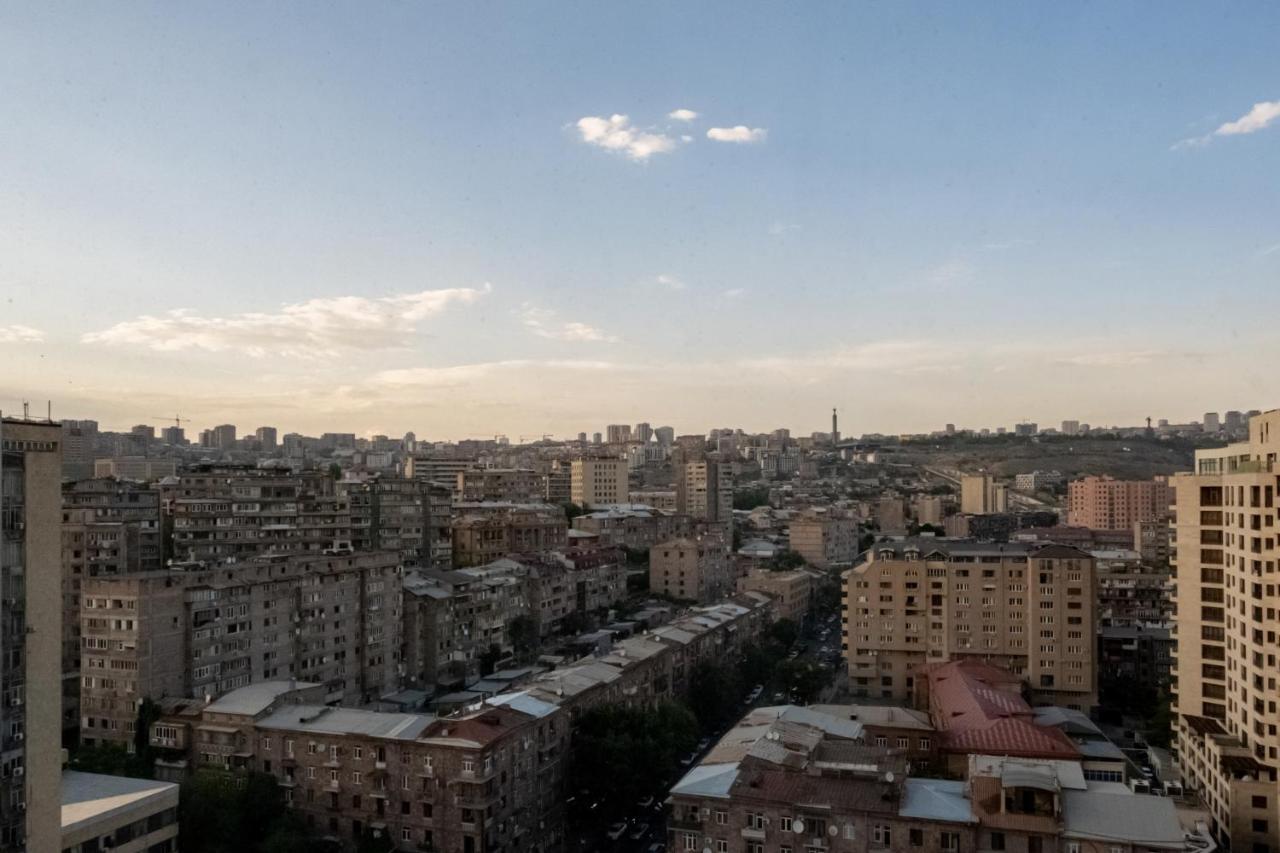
474 218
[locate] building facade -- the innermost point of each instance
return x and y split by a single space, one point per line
1027 609
1103 503
1224 557
825 538
31 641
598 480
204 631
691 569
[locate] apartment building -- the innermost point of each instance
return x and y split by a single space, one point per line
809 779
222 512
980 494
438 467
825 538
1226 544
31 617
1151 539
634 526
692 569
1130 592
704 491
486 779
482 533
928 509
1025 608
453 618
1104 503
792 591
595 481
500 484
202 630
141 469
410 517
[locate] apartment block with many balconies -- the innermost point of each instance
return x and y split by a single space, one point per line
1026 608
200 631
1225 549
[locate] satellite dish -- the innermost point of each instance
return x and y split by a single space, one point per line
888 777
832 831
797 826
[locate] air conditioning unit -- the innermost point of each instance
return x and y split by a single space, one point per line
19 771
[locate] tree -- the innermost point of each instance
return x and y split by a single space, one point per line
572 510
489 659
622 754
713 694
785 632
221 811
785 561
524 634
335 471
574 622
749 499
802 679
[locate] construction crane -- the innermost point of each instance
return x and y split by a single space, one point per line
178 420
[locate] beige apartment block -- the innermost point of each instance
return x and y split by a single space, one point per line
486 779
1224 555
825 538
791 591
201 631
980 494
31 607
704 491
594 481
1103 503
691 569
928 509
500 484
236 511
1026 608
483 534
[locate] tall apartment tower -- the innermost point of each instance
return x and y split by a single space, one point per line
30 634
224 436
1226 702
598 480
704 491
619 433
642 433
1026 608
267 438
1103 503
1211 422
980 494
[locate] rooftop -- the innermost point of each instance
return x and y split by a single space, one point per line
88 798
255 698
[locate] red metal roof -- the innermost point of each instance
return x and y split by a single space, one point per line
979 708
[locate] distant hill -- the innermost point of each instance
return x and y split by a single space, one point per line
1123 458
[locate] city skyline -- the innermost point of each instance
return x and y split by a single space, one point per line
911 213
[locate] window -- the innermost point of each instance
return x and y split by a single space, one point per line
915 837
949 840
786 824
722 818
997 841
881 836
690 841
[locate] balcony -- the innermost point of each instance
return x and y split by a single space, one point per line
752 834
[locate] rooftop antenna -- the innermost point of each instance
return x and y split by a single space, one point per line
26 410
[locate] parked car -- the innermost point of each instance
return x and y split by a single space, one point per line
640 831
688 759
616 830
656 847
646 803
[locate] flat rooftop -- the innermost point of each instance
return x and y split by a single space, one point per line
90 798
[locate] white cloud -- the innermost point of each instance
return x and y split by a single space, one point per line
738 133
733 293
1260 116
617 133
670 282
311 329
1270 250
1120 358
543 323
682 115
17 334
777 228
464 374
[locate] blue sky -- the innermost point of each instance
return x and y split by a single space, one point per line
946 212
